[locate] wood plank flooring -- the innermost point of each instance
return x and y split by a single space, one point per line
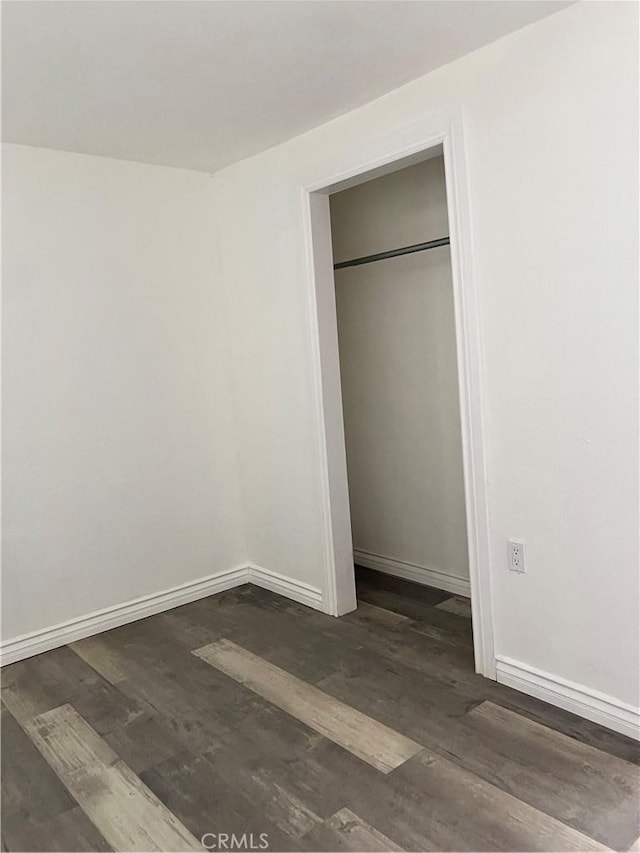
371 741
247 721
127 814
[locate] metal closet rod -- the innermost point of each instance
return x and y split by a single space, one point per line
393 253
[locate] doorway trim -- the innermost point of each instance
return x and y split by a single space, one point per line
350 166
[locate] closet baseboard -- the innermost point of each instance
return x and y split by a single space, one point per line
412 572
36 642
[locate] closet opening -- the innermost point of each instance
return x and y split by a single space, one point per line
400 397
402 359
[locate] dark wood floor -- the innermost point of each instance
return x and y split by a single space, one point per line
261 722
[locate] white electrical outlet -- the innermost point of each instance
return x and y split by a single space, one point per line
517 561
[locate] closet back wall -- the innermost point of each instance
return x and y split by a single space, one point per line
399 378
120 475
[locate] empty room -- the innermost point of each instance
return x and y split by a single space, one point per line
320 458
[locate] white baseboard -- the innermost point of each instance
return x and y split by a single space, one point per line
46 639
288 587
580 700
412 572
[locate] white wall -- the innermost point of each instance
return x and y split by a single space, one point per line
551 135
120 469
399 374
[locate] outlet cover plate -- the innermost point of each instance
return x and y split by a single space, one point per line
517 557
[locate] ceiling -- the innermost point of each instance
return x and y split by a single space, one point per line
204 84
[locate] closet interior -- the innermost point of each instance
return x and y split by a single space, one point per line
397 345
